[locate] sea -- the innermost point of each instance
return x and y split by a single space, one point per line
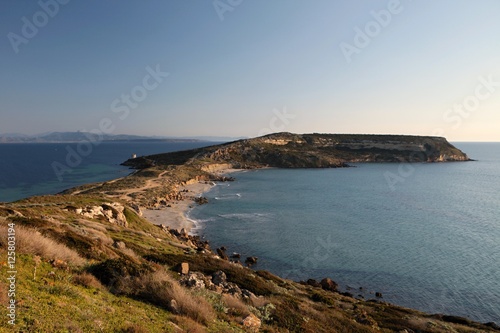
28 169
424 235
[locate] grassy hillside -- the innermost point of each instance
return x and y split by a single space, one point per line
79 274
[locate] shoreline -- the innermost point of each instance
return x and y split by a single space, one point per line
176 216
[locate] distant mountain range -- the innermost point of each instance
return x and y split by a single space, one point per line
55 137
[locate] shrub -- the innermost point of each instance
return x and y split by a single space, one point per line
208 265
319 297
113 272
235 305
30 241
87 280
160 289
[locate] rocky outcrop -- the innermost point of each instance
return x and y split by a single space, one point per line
112 212
287 150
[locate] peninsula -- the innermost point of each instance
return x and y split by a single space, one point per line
89 259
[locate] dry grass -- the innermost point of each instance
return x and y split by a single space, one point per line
160 288
30 241
188 325
235 305
87 280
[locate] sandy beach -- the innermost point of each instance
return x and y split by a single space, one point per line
175 216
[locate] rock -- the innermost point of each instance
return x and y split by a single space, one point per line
137 209
57 263
313 283
328 284
378 294
251 260
112 212
195 280
201 200
184 233
363 318
219 278
247 294
184 268
119 245
252 322
173 306
222 253
235 255
233 289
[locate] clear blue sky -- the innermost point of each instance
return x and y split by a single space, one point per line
231 77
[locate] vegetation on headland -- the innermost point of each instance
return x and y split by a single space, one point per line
88 262
288 150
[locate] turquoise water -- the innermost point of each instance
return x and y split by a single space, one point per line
430 241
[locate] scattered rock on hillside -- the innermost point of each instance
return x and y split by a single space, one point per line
112 212
251 260
252 322
328 284
222 253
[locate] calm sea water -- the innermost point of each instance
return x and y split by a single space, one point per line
26 169
431 242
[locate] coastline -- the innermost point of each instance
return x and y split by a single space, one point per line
176 215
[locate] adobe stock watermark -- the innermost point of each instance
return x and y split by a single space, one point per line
455 115
223 6
121 107
364 36
31 26
486 87
12 273
278 122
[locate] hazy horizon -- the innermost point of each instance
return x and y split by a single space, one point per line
246 68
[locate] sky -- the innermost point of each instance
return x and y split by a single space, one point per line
251 67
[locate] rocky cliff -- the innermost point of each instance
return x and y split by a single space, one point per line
287 150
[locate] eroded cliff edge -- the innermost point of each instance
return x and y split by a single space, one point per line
288 150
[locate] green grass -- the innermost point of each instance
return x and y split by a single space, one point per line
52 303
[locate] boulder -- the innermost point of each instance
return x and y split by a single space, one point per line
251 260
195 280
313 283
119 245
222 253
137 209
184 268
251 322
328 284
219 278
174 307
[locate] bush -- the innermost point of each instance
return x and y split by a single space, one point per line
87 280
235 305
30 241
208 265
160 289
319 297
113 272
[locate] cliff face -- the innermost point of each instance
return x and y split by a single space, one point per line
287 150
